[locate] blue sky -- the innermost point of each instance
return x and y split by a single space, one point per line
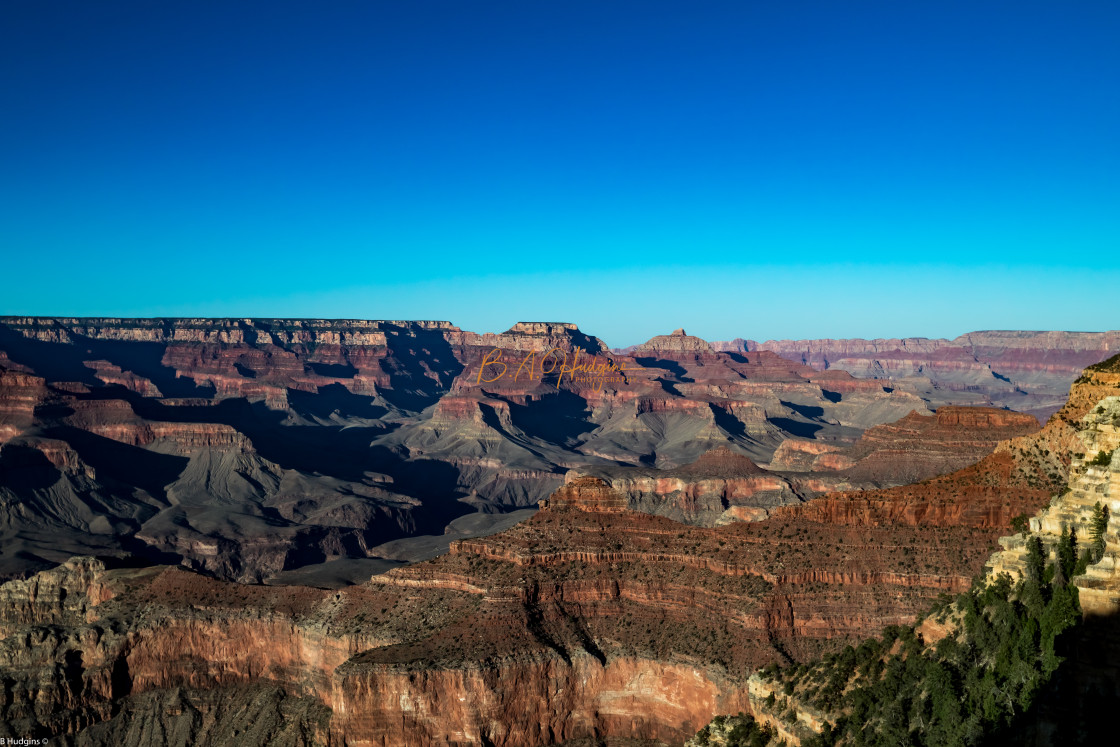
742 169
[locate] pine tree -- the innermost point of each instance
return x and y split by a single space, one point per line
1067 552
1098 530
1059 581
1084 561
1035 591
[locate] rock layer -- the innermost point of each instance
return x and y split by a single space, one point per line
1027 371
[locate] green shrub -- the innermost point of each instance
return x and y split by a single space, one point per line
1102 459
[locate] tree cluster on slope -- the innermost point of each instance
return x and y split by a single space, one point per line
965 690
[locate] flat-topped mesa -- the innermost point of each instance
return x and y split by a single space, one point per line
586 493
948 425
564 335
352 332
542 328
536 337
677 342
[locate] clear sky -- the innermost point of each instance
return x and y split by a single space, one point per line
742 169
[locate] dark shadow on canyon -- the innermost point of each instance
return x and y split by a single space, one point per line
728 422
810 412
676 369
334 399
421 366
1078 705
559 418
797 428
120 463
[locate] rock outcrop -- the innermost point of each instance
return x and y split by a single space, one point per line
677 342
723 485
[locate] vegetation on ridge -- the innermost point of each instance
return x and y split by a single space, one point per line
1109 365
1102 459
1004 644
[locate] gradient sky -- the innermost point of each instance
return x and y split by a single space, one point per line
742 169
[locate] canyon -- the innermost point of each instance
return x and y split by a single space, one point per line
713 513
251 449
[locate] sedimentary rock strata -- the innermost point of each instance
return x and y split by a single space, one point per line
665 566
1027 371
248 447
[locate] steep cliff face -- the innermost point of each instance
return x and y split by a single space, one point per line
1094 481
1094 670
20 393
528 702
132 656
